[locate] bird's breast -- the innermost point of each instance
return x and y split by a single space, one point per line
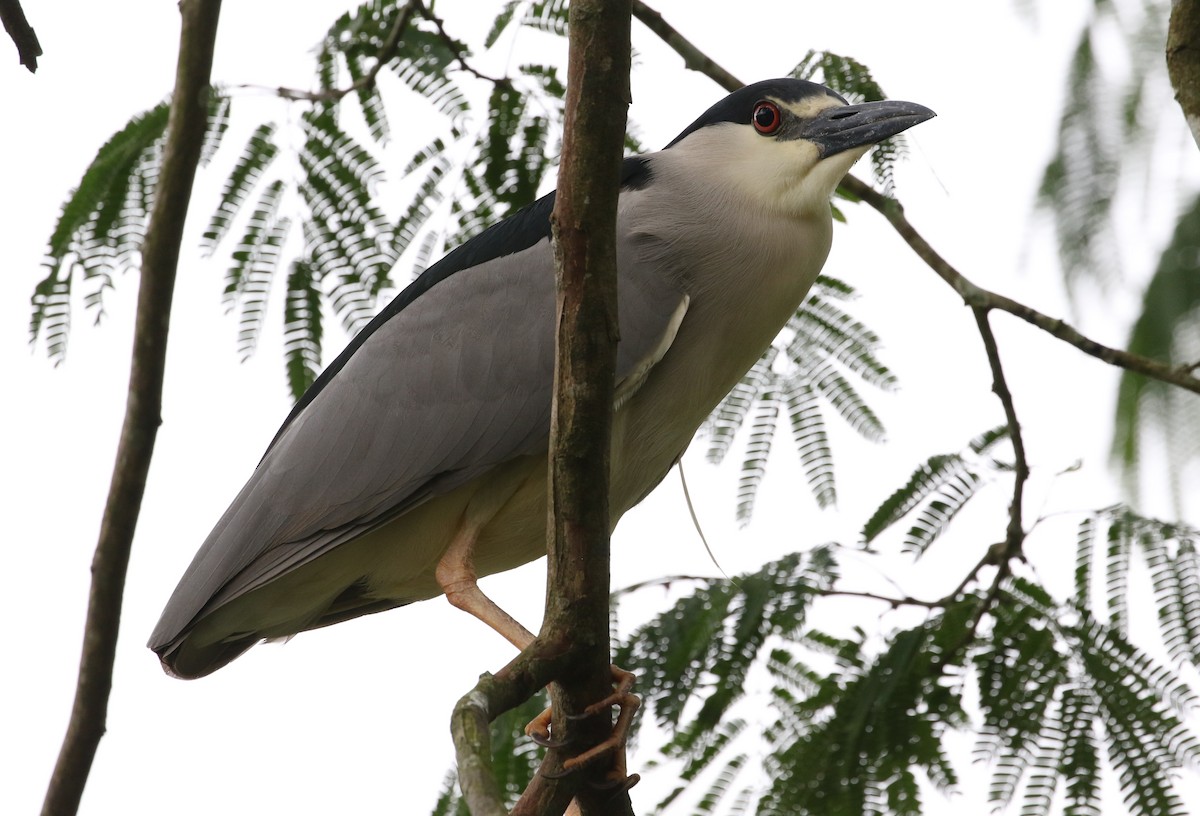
743 285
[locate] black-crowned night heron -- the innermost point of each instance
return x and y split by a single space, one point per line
417 460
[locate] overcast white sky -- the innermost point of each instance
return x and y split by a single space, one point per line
353 718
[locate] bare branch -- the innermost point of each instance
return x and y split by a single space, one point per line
1016 529
693 57
160 256
893 602
978 297
905 600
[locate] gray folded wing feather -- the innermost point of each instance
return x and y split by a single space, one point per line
447 388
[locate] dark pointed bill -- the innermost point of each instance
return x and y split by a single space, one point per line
842 128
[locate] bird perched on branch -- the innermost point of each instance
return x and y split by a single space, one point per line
417 460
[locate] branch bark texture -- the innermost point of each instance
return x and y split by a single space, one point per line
584 234
573 645
1183 60
160 257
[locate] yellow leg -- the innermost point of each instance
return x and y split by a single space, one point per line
456 576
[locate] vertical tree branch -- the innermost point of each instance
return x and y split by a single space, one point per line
584 232
160 256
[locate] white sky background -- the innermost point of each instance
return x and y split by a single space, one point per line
354 718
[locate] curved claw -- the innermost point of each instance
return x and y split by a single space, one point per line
546 741
616 784
539 731
561 773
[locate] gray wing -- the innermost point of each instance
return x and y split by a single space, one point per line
448 388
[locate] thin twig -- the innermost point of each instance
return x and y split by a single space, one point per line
456 46
988 558
386 52
1001 555
664 581
1016 530
687 497
895 603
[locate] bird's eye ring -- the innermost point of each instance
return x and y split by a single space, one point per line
766 118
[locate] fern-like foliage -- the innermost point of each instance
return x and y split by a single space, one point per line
1112 536
853 80
423 61
255 261
1167 330
103 221
349 237
303 324
256 157
808 369
1079 184
1114 138
547 15
703 648
859 724
484 177
1060 694
1080 684
941 486
857 742
1105 130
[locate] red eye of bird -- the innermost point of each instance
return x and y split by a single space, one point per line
766 118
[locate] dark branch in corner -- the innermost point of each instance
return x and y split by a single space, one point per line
160 258
21 33
1183 60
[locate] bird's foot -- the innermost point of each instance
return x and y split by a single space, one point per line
538 730
623 697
